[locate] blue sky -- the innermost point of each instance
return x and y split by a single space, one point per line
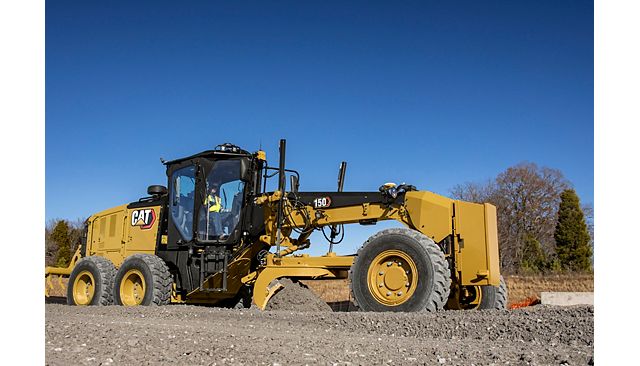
429 93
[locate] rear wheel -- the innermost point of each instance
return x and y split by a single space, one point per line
495 297
483 297
400 270
143 279
91 282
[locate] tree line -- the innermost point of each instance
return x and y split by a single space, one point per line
541 225
61 239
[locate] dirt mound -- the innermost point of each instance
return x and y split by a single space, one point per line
296 297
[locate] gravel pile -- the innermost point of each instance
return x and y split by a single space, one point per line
181 334
295 296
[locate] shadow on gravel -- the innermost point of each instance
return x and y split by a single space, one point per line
342 306
55 300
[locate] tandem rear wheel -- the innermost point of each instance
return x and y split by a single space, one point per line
91 282
143 279
400 270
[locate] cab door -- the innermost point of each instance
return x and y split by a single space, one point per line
181 205
222 183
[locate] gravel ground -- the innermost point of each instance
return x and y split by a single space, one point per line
193 335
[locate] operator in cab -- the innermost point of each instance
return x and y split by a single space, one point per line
214 204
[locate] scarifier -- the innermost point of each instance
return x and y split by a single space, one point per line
183 245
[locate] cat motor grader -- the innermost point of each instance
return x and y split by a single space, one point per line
215 235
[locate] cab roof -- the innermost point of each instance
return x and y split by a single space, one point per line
228 150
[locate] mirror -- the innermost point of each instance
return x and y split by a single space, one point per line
294 183
245 175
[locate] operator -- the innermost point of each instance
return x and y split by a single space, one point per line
215 206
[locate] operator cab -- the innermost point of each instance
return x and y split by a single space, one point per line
206 194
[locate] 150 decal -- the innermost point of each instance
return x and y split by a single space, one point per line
143 218
322 202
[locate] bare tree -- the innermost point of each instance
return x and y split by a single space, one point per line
527 198
50 246
76 231
474 192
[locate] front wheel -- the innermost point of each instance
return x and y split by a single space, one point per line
400 270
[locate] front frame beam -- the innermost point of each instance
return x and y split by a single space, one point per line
303 266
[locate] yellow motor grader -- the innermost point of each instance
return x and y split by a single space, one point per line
216 236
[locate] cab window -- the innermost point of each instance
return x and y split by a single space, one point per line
219 214
182 204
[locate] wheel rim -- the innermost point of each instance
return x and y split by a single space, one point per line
132 288
471 297
392 277
83 288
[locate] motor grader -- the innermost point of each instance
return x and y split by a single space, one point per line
174 247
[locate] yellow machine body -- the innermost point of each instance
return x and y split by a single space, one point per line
115 234
467 230
472 226
119 232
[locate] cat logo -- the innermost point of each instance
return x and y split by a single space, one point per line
143 218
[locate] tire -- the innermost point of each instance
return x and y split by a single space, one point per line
395 255
143 279
96 275
494 297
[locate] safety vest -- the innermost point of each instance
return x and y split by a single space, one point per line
214 202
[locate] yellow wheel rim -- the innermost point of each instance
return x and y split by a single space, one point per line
84 287
472 297
132 288
392 277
